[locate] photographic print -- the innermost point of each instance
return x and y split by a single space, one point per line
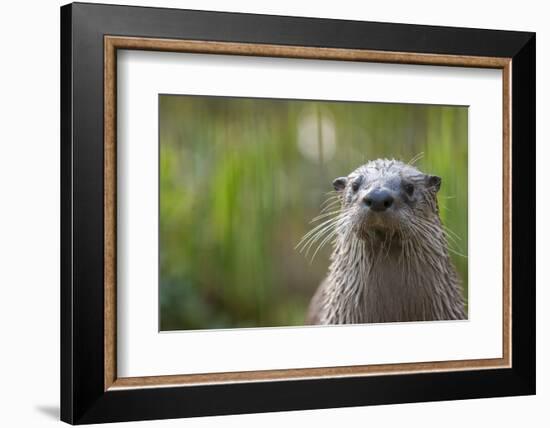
286 212
291 201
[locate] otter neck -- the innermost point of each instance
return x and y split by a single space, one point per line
391 279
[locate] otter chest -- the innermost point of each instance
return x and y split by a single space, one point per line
386 293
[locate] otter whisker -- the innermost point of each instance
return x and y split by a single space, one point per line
330 206
331 198
319 226
308 241
316 238
330 201
321 216
323 242
449 230
457 253
416 158
451 241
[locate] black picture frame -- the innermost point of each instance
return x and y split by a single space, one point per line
83 398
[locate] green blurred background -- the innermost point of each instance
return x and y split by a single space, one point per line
241 178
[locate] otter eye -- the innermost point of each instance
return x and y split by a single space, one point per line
409 188
357 183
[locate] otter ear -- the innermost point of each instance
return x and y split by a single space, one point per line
339 183
433 181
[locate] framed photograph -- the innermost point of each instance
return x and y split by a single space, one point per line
265 213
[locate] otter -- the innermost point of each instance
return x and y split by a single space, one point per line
390 259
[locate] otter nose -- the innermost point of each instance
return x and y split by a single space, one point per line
378 200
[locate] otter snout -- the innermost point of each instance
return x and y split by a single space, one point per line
378 200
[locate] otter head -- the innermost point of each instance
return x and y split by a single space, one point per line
388 198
